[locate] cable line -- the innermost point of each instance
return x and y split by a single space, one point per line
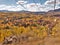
36 4
21 4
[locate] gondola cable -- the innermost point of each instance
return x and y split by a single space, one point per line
21 4
36 5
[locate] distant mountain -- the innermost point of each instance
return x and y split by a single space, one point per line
4 11
38 12
56 10
31 12
23 11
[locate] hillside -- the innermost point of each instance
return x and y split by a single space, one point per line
29 29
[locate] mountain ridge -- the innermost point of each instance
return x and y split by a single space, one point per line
23 11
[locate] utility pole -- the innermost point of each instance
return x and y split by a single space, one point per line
54 6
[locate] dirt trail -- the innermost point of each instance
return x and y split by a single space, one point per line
53 40
47 41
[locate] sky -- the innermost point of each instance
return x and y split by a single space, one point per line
29 5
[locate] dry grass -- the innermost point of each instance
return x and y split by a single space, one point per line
29 29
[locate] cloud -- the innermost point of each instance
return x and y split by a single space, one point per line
29 7
34 7
21 2
49 2
11 8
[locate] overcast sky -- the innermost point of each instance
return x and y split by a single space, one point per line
28 5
